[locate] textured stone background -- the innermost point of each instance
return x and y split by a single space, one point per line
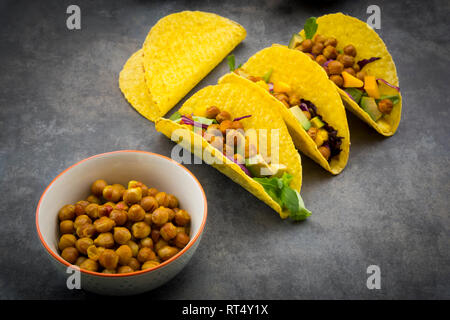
60 102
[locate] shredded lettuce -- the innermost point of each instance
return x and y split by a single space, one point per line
288 198
310 27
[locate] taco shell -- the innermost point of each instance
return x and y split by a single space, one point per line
238 100
350 30
311 82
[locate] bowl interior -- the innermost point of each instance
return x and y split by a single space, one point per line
119 167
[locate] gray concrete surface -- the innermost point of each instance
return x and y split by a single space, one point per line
60 103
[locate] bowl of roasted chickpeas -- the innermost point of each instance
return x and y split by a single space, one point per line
126 222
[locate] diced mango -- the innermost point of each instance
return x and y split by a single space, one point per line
281 86
351 81
371 87
263 84
321 137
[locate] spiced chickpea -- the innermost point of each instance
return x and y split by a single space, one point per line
331 42
82 220
125 254
160 216
134 247
155 235
105 240
132 196
317 48
138 184
140 230
223 115
104 224
149 264
152 192
360 75
181 240
330 52
89 265
149 204
112 193
350 71
83 244
105 210
86 230
167 252
312 132
350 50
80 260
320 59
168 231
113 271
94 252
134 264
121 235
225 125
337 79
347 60
325 151
109 259
146 242
67 212
145 254
92 210
160 244
125 269
148 218
136 213
80 207
237 125
162 198
93 199
319 38
182 218
98 186
335 67
66 240
306 45
70 254
212 112
121 206
385 106
66 226
119 217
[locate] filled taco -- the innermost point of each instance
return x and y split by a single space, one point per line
305 98
359 64
179 51
236 129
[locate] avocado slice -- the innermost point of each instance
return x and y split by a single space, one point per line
255 165
278 169
296 39
317 123
203 120
300 116
355 93
369 105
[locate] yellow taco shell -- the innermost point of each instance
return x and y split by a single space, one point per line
239 101
310 81
350 30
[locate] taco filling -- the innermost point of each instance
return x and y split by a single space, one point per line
347 73
324 136
228 134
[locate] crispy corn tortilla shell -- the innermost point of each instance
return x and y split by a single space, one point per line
310 81
179 51
349 30
239 101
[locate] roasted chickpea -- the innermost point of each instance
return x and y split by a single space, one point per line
80 260
80 207
98 186
331 42
162 198
350 71
225 125
66 226
83 244
132 196
237 125
311 56
155 235
181 240
181 229
337 79
350 50
67 212
109 271
160 216
66 240
167 252
385 106
121 235
81 220
317 48
119 216
319 38
149 264
168 231
121 206
152 192
148 218
312 132
325 151
212 112
112 193
223 115
160 244
105 240
125 254
356 67
146 254
330 52
125 269
138 184
70 254
136 213
134 264
140 230
306 45
182 218
146 242
86 230
90 265
347 60
360 75
92 210
134 247
149 204
94 252
335 67
109 259
294 99
93 199
104 224
320 59
105 210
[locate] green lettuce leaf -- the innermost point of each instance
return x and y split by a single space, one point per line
310 27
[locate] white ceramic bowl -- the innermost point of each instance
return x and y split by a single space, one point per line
154 170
